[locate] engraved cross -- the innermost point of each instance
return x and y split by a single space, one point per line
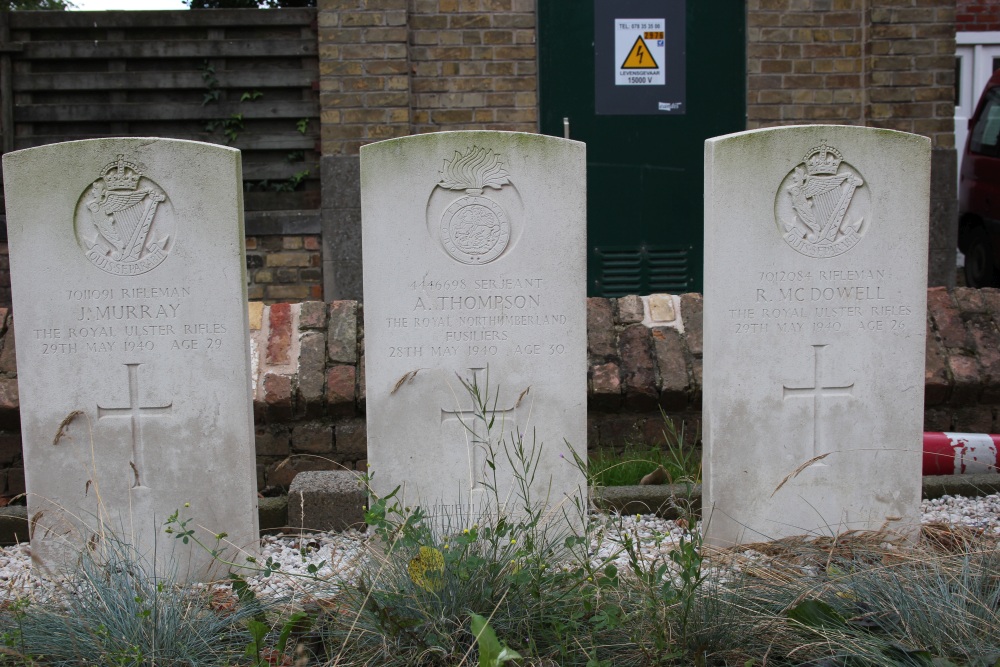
478 438
134 411
817 392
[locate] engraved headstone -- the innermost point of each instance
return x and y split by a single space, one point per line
129 301
474 271
815 305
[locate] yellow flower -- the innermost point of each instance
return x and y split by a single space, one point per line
426 569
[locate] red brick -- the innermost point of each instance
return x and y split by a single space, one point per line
312 315
278 391
9 400
947 320
966 373
600 328
8 357
10 447
350 437
605 387
672 364
987 340
691 313
340 389
635 345
279 337
313 438
342 332
973 419
15 481
269 442
937 385
282 473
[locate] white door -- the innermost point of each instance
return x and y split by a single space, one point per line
978 57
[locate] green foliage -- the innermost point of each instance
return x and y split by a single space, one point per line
36 5
491 652
231 127
434 576
682 462
248 4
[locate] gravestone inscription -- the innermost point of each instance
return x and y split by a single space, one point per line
474 275
815 305
129 301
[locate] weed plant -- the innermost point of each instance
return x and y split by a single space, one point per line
529 577
682 462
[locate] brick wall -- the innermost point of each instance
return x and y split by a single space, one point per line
364 73
805 62
474 65
878 63
284 268
977 15
389 68
644 354
4 275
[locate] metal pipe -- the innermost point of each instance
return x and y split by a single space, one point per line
960 453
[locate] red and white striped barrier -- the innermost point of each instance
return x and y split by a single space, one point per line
960 453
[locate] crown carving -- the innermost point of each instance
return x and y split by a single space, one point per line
823 160
122 174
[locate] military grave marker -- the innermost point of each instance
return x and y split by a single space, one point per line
815 306
129 301
474 272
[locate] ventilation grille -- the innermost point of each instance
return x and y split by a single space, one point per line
643 270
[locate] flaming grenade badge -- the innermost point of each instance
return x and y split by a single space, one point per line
474 229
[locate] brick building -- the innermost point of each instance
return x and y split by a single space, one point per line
377 69
395 67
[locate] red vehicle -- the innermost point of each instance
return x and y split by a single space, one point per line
979 192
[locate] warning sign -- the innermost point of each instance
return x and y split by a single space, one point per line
640 49
639 57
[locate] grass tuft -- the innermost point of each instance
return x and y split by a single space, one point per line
680 461
116 610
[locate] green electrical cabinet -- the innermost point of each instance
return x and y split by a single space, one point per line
644 162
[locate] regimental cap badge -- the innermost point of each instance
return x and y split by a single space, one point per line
122 174
475 229
822 160
121 224
822 207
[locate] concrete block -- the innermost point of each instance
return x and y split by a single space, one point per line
326 500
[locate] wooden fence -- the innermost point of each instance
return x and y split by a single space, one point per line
245 78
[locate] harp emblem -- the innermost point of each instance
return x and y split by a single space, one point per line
822 207
120 221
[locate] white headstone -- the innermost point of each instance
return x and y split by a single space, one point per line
129 301
815 303
474 269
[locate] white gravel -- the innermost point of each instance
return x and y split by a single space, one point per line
336 556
